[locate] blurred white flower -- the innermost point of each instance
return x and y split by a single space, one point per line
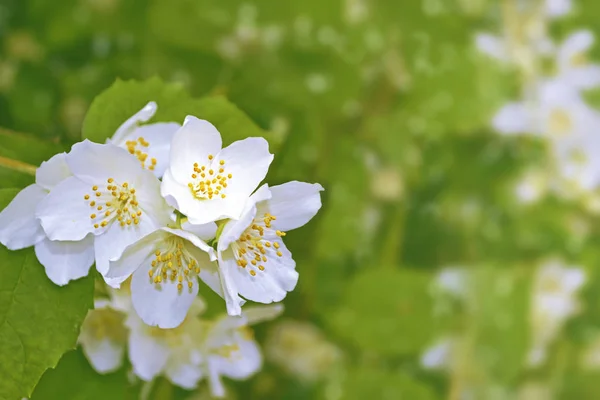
532 186
572 63
301 350
453 280
206 183
438 355
103 336
554 300
19 227
176 353
150 143
109 195
229 348
558 8
253 260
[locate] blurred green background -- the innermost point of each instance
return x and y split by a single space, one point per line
422 275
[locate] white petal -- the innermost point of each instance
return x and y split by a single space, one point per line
147 354
52 172
183 373
293 204
229 290
214 380
492 46
64 213
105 355
93 163
248 161
586 77
135 256
512 118
205 232
257 314
192 143
240 364
111 244
18 226
577 42
161 305
270 285
212 279
558 8
65 261
131 124
200 244
158 136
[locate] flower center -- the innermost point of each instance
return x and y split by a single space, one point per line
113 201
174 265
209 180
579 59
138 149
105 323
560 122
252 249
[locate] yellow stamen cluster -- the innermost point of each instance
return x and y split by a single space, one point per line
113 202
141 152
252 250
209 180
174 266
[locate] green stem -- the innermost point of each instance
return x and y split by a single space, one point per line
18 166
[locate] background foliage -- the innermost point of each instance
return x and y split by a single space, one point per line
388 105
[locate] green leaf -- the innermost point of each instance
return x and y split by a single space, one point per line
39 321
124 98
387 311
75 379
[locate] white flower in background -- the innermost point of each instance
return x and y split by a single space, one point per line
553 302
301 350
229 347
103 336
206 183
558 8
439 355
151 143
571 59
532 186
253 260
109 195
19 228
175 353
165 266
454 281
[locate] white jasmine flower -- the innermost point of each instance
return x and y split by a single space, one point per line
103 336
206 183
151 143
253 260
229 347
175 353
19 227
109 195
573 65
165 266
554 301
301 350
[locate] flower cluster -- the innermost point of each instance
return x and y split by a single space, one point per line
555 77
170 207
197 349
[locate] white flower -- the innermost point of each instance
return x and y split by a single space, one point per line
439 355
558 8
19 228
103 336
301 350
554 301
151 143
176 353
166 265
573 66
206 183
453 280
532 186
229 348
109 195
253 260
